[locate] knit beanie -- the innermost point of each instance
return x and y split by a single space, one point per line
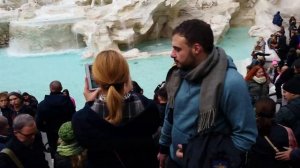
65 132
69 146
292 85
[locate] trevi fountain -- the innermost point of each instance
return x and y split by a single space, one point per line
39 27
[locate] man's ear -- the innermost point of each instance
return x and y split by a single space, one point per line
197 48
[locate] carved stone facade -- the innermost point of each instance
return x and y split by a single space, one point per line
4 34
102 24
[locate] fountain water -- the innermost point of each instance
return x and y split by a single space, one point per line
121 22
68 67
93 3
45 29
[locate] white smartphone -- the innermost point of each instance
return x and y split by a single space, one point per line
91 82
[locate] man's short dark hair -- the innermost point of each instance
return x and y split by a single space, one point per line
55 86
196 31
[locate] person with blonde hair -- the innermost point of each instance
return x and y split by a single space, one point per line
116 125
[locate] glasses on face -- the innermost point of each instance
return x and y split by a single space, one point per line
27 135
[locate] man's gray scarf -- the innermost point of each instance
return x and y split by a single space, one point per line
210 73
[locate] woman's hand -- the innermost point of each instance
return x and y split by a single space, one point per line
88 94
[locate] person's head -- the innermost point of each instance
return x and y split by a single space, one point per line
15 99
291 89
4 100
155 97
4 127
55 86
66 133
24 128
68 145
265 110
257 71
192 41
292 51
137 88
66 92
274 63
261 60
292 20
283 68
257 47
111 72
162 95
296 66
274 38
25 96
298 50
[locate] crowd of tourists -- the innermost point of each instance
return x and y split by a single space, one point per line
205 114
278 128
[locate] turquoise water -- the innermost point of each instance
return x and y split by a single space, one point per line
33 74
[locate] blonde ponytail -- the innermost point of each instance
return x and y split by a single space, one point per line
114 103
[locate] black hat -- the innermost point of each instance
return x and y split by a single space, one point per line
292 85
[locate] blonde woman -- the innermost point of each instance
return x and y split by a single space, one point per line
116 126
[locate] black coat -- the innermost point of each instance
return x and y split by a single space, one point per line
3 141
289 115
262 155
23 110
53 111
30 157
110 146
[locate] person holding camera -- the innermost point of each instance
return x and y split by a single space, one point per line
116 125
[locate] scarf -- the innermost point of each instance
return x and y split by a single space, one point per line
259 80
133 106
69 149
210 73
